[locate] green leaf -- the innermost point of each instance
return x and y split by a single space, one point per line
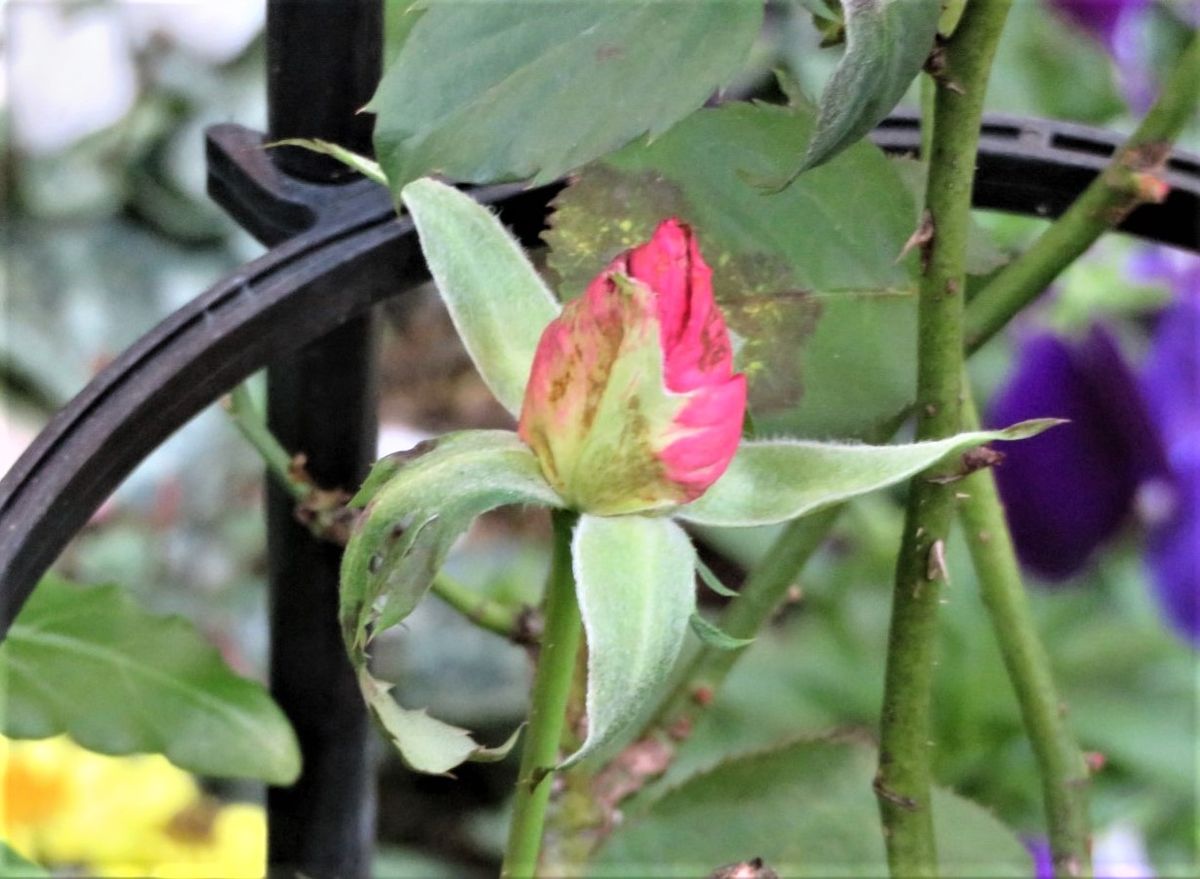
369 168
499 91
401 541
887 42
772 481
808 810
424 743
89 663
712 581
498 303
13 866
808 276
635 580
713 636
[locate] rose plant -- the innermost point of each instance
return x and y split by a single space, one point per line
854 286
630 427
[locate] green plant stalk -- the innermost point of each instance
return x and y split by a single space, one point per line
903 783
500 619
493 616
1128 181
767 587
253 427
1064 773
548 708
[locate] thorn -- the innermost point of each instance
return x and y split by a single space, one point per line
981 457
935 568
935 66
971 461
922 238
885 793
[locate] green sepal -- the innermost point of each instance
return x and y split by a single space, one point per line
405 532
714 636
634 576
424 743
712 581
417 504
497 300
369 168
772 481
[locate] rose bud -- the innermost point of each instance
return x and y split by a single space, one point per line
632 403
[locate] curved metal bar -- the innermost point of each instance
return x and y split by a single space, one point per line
1038 167
269 308
276 304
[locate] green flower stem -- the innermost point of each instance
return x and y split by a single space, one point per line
1063 770
253 427
504 620
903 784
763 592
1127 182
514 623
547 715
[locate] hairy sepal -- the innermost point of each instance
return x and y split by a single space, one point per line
424 743
635 578
414 516
417 503
773 481
497 300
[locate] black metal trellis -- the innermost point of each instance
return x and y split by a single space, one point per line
303 308
323 62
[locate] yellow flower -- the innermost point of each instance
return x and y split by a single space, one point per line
121 816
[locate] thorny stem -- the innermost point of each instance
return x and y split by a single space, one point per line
327 516
767 587
548 708
253 427
903 783
1128 181
1063 771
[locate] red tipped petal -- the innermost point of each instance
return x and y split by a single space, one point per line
710 428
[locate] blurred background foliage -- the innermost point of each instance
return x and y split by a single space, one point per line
108 229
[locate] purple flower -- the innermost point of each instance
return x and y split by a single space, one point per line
1131 446
1119 852
1116 25
1103 19
1070 489
1043 858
